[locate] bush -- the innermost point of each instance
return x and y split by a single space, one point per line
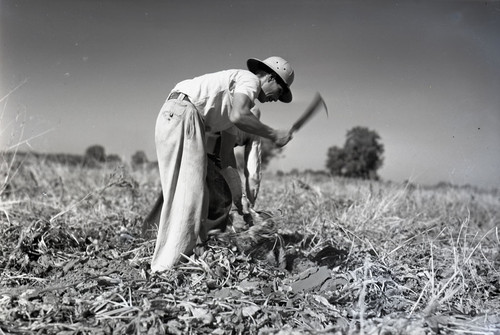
139 158
94 155
360 157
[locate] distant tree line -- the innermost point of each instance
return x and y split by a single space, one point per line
94 156
360 157
66 159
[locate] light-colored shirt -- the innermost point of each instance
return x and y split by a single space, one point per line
212 95
252 157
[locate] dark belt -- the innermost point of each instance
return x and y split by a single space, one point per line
178 95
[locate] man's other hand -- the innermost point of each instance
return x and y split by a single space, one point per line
282 137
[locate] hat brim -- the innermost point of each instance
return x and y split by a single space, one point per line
254 65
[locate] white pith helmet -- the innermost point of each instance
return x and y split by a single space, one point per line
278 66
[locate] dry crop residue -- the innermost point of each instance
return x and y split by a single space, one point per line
337 256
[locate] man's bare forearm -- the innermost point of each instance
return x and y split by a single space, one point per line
250 124
242 117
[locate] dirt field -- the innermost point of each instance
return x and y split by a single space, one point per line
337 256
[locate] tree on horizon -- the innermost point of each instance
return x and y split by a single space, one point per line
360 157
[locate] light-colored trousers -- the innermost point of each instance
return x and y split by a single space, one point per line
180 148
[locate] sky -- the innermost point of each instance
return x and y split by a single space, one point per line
425 75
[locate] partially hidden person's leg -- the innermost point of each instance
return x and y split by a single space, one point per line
219 196
219 203
152 220
180 147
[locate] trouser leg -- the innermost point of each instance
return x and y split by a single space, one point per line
181 156
219 196
219 203
150 223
